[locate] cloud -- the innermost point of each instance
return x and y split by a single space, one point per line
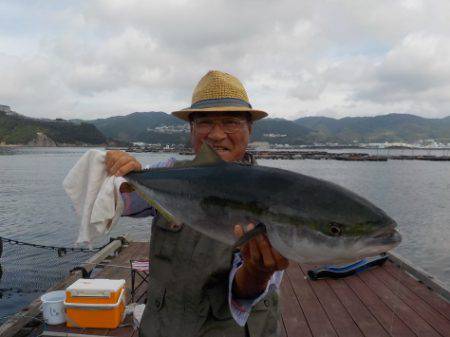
99 58
415 72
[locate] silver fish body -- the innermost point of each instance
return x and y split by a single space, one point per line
308 220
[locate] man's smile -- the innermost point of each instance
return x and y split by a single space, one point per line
220 149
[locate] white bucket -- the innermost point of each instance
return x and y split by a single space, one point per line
53 307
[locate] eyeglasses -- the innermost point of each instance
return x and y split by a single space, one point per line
229 125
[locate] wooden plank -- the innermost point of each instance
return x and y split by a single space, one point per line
64 329
141 294
293 318
101 255
386 317
426 278
418 325
423 309
429 296
15 323
125 330
366 322
68 334
283 329
92 331
119 268
338 315
316 317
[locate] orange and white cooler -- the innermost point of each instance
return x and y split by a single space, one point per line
95 303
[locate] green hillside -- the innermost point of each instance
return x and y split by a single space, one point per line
134 127
278 130
159 127
147 127
390 128
18 129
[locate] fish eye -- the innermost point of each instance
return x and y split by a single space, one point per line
335 229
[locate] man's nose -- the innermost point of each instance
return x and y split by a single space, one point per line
217 133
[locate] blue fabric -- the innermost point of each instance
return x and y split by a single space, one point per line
220 102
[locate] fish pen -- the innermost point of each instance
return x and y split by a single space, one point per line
394 299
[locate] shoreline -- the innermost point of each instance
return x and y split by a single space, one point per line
336 147
33 146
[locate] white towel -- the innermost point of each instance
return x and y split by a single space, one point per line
95 195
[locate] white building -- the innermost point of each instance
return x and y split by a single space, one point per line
5 108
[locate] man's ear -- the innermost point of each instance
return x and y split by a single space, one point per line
250 127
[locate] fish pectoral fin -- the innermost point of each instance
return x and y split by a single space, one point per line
260 228
161 210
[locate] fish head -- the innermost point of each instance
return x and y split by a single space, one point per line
334 226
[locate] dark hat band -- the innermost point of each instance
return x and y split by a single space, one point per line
211 103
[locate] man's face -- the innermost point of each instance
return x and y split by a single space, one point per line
227 133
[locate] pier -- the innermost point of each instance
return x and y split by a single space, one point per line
296 154
343 156
395 299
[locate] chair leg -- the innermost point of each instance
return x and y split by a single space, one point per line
133 277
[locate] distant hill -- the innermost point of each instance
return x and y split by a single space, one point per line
282 131
390 128
135 127
159 127
18 129
149 127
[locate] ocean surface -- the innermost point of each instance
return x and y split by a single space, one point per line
34 208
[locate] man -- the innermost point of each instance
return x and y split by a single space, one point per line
199 286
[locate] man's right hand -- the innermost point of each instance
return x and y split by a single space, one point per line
119 163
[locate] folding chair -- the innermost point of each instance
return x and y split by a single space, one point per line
139 274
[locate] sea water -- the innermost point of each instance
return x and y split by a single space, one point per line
34 208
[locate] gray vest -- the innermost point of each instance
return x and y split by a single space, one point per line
188 288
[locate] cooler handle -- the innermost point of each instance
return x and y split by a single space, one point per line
97 305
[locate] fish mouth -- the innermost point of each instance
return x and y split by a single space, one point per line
387 236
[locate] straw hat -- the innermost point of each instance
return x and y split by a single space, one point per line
220 92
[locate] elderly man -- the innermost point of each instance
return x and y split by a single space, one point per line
199 286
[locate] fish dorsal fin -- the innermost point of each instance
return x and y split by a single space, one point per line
206 156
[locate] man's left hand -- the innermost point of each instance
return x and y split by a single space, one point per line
261 260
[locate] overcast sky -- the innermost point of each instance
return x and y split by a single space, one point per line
91 59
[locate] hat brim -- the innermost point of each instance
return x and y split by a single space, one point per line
255 114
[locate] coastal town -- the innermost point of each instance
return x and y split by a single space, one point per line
158 132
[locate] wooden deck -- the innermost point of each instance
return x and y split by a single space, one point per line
384 301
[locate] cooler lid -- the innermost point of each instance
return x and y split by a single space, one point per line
95 287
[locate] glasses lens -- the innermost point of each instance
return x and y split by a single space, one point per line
231 125
203 126
227 125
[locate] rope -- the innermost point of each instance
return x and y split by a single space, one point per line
60 250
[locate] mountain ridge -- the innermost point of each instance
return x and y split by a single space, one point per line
302 131
163 128
382 128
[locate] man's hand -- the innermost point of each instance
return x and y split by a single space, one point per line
119 163
261 260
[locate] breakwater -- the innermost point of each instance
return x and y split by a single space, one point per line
347 156
324 155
